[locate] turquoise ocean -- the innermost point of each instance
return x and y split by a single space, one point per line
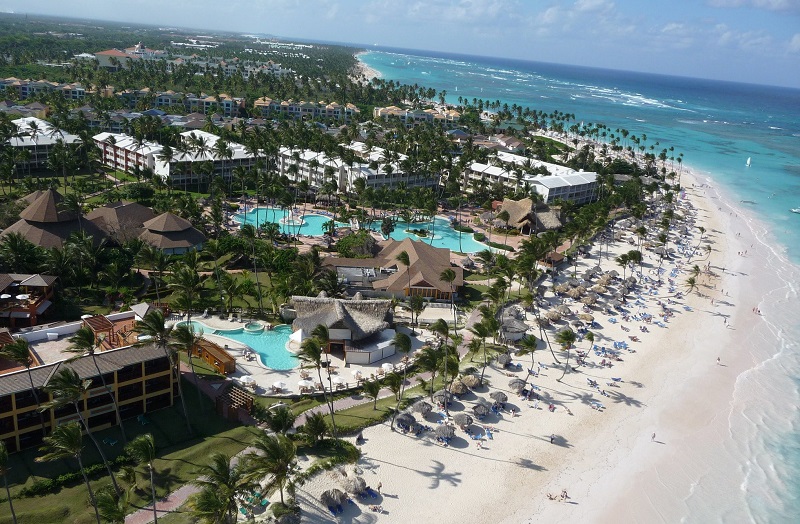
717 126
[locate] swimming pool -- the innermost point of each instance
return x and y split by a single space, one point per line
269 345
443 233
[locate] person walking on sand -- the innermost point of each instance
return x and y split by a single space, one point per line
653 438
380 485
718 362
552 438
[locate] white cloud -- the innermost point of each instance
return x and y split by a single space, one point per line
770 5
794 44
751 41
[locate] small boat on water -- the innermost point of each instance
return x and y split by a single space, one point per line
795 210
748 161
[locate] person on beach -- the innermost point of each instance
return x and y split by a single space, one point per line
718 361
553 438
380 485
653 438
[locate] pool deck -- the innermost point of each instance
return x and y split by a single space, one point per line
264 377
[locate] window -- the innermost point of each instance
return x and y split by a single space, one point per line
131 410
154 403
104 419
97 401
130 391
28 419
6 425
157 384
129 372
156 365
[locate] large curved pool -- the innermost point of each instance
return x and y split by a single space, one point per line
269 345
440 232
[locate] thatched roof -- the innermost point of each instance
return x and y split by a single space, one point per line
426 264
122 220
167 222
519 211
47 208
547 219
363 318
53 234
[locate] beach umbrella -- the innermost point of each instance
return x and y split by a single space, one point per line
498 396
277 385
405 419
445 431
462 419
586 317
305 384
589 300
553 316
480 410
441 396
661 250
588 275
422 407
387 366
516 384
574 282
357 373
577 323
597 288
337 380
542 322
503 359
561 288
458 388
333 497
613 273
470 381
354 485
576 292
564 310
630 280
604 280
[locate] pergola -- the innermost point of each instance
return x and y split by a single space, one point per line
102 328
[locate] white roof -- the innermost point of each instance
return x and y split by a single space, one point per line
46 133
574 179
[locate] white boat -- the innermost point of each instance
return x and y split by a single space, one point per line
795 210
748 161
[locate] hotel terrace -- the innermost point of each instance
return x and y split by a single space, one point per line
415 117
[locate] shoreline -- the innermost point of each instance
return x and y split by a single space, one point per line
362 72
672 388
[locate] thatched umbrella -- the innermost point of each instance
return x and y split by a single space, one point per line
604 280
405 419
445 431
543 321
589 300
498 396
586 317
564 310
588 275
503 359
597 288
561 288
480 410
458 388
553 316
422 407
462 419
333 497
574 282
577 323
442 396
471 381
613 273
354 485
614 303
576 292
516 384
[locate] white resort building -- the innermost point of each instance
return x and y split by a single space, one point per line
38 137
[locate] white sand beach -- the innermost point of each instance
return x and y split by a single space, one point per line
607 460
363 72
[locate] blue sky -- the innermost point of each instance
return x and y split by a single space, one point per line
756 41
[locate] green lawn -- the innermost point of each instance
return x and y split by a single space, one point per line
179 457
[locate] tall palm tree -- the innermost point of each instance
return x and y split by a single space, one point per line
449 276
66 387
84 343
4 473
274 459
480 331
143 450
402 344
221 485
154 326
320 332
19 351
185 338
66 441
403 258
565 337
311 355
113 507
528 346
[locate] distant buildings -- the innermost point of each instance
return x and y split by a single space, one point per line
269 108
415 117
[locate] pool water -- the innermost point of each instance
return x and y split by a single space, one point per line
269 345
443 233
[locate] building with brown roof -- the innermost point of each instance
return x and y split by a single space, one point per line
172 234
386 276
47 224
25 298
121 221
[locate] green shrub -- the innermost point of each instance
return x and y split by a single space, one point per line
480 237
463 229
233 206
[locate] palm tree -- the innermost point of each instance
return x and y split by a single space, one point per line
221 485
372 388
84 343
19 351
528 345
280 419
314 427
449 276
67 387
275 461
153 326
67 441
311 355
143 450
113 507
185 338
4 473
565 337
481 331
691 284
403 258
402 344
505 217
